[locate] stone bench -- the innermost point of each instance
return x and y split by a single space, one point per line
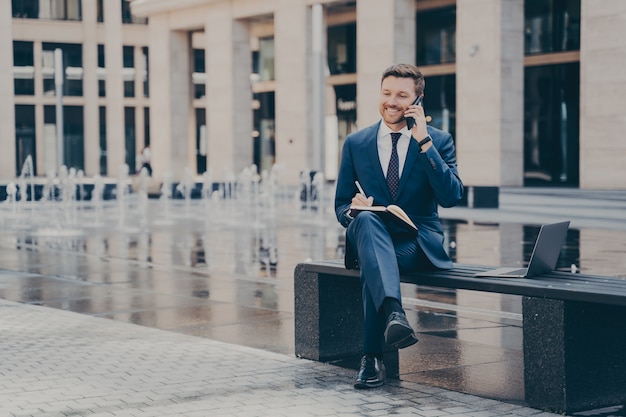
574 328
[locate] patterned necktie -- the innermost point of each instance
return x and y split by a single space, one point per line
393 176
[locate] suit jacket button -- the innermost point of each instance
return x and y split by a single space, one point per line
432 163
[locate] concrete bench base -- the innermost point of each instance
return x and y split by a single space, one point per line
574 350
574 354
329 321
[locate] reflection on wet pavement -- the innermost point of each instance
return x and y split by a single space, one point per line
228 276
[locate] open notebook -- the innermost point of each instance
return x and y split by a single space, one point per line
544 256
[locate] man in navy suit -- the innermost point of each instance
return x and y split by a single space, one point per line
414 169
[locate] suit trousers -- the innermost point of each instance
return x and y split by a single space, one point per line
382 256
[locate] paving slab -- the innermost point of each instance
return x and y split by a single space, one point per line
57 363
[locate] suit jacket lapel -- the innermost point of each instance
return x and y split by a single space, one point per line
372 152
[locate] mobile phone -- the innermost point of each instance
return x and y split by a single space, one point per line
410 122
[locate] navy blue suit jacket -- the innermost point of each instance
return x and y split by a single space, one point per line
428 180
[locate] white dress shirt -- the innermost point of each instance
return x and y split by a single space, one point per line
383 142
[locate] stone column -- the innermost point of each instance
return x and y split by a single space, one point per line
170 86
7 105
43 160
228 93
140 130
490 92
116 148
90 89
294 104
42 166
392 42
602 94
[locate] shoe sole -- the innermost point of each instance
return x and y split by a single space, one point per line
410 340
400 336
368 385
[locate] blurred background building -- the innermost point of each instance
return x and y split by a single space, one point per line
534 91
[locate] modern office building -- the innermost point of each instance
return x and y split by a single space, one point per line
534 91
100 91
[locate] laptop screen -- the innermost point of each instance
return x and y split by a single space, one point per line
547 248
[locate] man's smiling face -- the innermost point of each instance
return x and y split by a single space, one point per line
396 95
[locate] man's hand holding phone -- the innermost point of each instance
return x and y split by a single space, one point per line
416 121
410 120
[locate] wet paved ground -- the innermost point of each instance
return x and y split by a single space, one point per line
226 277
56 363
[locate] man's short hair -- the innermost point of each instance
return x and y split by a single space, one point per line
406 71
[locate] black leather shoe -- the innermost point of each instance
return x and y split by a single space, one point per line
371 374
399 332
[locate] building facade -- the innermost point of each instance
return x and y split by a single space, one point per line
99 94
533 91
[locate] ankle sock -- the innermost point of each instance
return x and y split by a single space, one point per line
392 305
378 356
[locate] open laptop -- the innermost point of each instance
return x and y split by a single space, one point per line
543 258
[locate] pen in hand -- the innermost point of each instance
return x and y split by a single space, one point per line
364 200
360 189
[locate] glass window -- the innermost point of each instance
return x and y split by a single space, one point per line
440 102
127 16
23 68
129 135
25 137
50 9
73 9
23 54
146 127
199 74
101 57
263 61
26 9
346 112
129 57
49 115
129 71
103 140
201 141
73 132
263 142
146 74
342 49
551 26
72 65
551 118
436 36
101 72
198 60
100 10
